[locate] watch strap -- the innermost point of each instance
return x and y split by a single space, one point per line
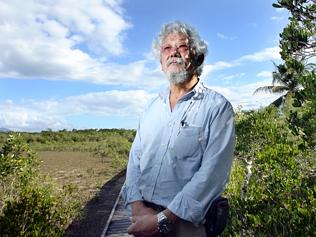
164 225
161 216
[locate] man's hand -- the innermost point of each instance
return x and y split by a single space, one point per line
144 226
139 209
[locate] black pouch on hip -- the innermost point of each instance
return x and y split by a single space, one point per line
216 217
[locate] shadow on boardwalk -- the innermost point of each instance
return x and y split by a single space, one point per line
97 210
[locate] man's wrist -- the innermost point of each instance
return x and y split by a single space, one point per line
137 206
171 216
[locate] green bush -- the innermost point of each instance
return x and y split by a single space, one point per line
36 212
30 204
279 199
116 148
18 166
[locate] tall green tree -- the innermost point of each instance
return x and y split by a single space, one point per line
298 52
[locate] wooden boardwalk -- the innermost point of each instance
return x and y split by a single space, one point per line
104 215
118 221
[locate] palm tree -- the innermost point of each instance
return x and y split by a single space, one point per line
285 79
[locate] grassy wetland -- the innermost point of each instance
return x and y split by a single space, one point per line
48 177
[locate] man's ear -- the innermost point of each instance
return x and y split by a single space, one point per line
161 67
199 60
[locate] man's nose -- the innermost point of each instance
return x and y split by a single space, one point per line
175 51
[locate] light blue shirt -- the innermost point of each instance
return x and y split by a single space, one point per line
182 159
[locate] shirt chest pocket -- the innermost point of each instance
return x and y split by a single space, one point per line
187 143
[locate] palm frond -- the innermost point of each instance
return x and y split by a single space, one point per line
263 89
271 89
279 89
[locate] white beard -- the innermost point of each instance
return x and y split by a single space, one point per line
177 78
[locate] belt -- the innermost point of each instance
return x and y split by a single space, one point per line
154 206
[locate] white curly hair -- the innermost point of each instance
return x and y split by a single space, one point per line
195 42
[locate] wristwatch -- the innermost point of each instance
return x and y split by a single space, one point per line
164 225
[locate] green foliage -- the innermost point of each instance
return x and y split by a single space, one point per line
275 194
33 205
298 44
37 212
30 204
115 147
297 74
17 161
256 129
280 197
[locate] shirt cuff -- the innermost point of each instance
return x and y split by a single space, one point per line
131 194
187 208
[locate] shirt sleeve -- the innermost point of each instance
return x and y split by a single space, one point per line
194 200
131 191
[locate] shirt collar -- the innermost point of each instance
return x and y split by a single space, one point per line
196 93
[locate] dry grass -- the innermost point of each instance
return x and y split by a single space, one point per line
83 171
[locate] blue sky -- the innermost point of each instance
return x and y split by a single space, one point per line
88 64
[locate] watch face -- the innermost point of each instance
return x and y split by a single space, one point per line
164 226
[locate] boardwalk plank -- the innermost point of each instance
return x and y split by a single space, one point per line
119 221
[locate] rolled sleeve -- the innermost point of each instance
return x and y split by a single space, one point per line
194 200
131 192
186 208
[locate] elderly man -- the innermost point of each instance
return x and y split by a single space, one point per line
181 157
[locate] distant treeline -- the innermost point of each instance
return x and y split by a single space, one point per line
45 139
104 143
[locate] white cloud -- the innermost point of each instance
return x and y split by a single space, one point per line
279 9
243 95
56 40
277 18
265 74
233 76
220 65
107 103
71 40
267 54
261 56
280 14
25 118
40 115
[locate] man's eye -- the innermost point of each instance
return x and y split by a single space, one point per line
183 48
166 49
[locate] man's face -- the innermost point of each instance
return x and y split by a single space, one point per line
175 54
